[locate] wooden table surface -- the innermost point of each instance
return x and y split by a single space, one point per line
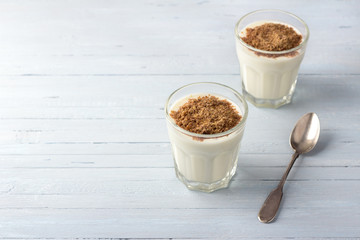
84 148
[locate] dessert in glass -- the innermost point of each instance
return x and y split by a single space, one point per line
270 46
205 122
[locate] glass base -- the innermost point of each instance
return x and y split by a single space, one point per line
206 187
267 103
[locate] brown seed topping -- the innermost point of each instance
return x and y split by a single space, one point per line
206 115
272 37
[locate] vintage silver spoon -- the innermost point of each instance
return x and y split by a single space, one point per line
302 139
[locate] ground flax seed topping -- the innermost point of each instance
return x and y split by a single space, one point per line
206 115
272 37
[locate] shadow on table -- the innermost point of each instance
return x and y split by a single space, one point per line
313 92
325 140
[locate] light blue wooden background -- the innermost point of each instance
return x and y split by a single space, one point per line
84 151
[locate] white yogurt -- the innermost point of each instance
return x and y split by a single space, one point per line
209 160
266 77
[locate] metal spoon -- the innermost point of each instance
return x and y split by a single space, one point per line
302 139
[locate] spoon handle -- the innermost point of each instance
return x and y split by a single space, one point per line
271 205
268 210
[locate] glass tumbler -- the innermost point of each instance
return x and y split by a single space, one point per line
205 162
269 77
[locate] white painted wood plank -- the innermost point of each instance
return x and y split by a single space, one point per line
342 145
158 160
153 130
329 91
66 176
331 148
171 194
178 223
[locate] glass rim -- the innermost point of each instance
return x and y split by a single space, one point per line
208 136
303 43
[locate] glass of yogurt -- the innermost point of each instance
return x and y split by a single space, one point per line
205 162
269 76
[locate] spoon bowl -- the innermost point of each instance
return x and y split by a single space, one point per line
306 133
